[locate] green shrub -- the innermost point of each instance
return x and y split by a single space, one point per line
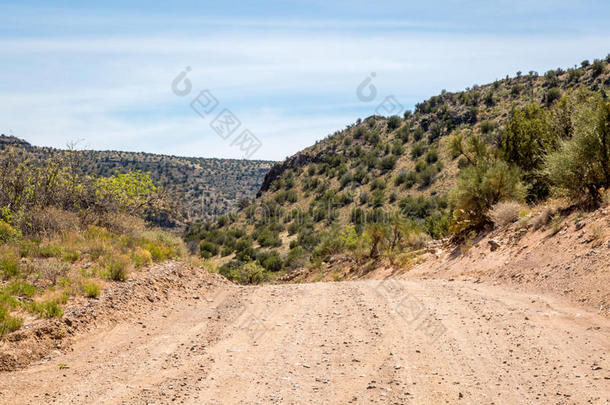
387 163
529 135
598 67
207 249
432 156
426 176
46 309
8 323
141 257
50 251
9 265
418 133
273 263
487 127
248 273
417 150
70 255
401 177
552 95
329 246
92 290
403 134
580 167
479 188
20 289
394 122
397 148
118 267
7 232
296 257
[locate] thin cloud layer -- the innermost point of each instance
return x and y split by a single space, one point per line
291 84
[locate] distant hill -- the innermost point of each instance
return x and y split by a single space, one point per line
205 188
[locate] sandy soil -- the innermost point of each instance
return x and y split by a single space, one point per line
392 341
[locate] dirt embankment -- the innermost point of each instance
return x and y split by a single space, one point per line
147 289
571 260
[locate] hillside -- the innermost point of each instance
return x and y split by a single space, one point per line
385 186
203 188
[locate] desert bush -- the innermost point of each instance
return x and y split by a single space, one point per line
295 258
401 177
121 223
505 212
397 148
556 224
551 95
243 273
9 264
92 290
432 156
330 245
417 240
47 221
387 163
417 150
141 257
394 122
36 190
208 249
479 188
426 176
527 137
117 267
597 68
377 233
7 232
580 167
487 127
8 323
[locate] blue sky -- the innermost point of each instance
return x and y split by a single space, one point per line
102 73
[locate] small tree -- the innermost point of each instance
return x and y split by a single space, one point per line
580 167
528 136
377 234
480 187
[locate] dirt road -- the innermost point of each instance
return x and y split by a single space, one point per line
394 342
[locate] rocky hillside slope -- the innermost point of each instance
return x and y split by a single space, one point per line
321 200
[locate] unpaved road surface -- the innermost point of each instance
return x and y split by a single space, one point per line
393 342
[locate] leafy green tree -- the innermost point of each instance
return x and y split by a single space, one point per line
580 167
527 138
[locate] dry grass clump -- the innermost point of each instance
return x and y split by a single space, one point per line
48 221
506 212
417 240
544 217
